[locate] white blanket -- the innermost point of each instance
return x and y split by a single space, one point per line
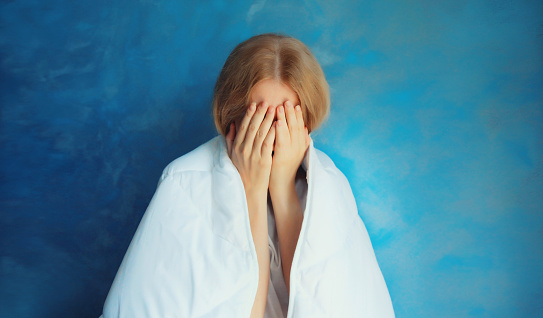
193 254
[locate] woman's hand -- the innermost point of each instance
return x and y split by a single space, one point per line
251 146
251 152
291 143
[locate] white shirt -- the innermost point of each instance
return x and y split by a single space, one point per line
277 302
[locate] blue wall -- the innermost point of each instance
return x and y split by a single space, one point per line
437 121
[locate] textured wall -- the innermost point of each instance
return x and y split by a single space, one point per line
437 121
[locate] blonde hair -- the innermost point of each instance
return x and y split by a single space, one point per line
270 56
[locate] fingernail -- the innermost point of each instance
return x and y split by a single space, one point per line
298 108
253 106
280 109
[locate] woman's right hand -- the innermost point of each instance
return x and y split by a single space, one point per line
250 147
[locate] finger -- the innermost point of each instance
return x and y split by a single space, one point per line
281 113
230 139
267 145
254 124
299 116
282 133
291 117
300 128
264 128
244 124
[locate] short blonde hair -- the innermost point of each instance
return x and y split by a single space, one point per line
270 56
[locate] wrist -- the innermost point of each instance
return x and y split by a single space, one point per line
257 206
256 195
255 188
281 179
284 199
283 190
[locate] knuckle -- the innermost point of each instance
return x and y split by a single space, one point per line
245 152
252 127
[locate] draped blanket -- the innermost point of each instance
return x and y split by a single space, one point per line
193 254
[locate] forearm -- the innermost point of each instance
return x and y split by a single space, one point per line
258 218
288 220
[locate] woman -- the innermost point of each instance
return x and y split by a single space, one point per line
256 222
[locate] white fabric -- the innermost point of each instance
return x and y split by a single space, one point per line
193 255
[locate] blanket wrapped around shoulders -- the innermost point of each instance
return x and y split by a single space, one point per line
193 254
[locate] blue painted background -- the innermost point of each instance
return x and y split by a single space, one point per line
437 122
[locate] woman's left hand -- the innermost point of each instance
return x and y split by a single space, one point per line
291 143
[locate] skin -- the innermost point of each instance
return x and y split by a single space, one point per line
272 123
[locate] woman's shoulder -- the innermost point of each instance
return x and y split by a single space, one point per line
325 161
199 159
330 167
